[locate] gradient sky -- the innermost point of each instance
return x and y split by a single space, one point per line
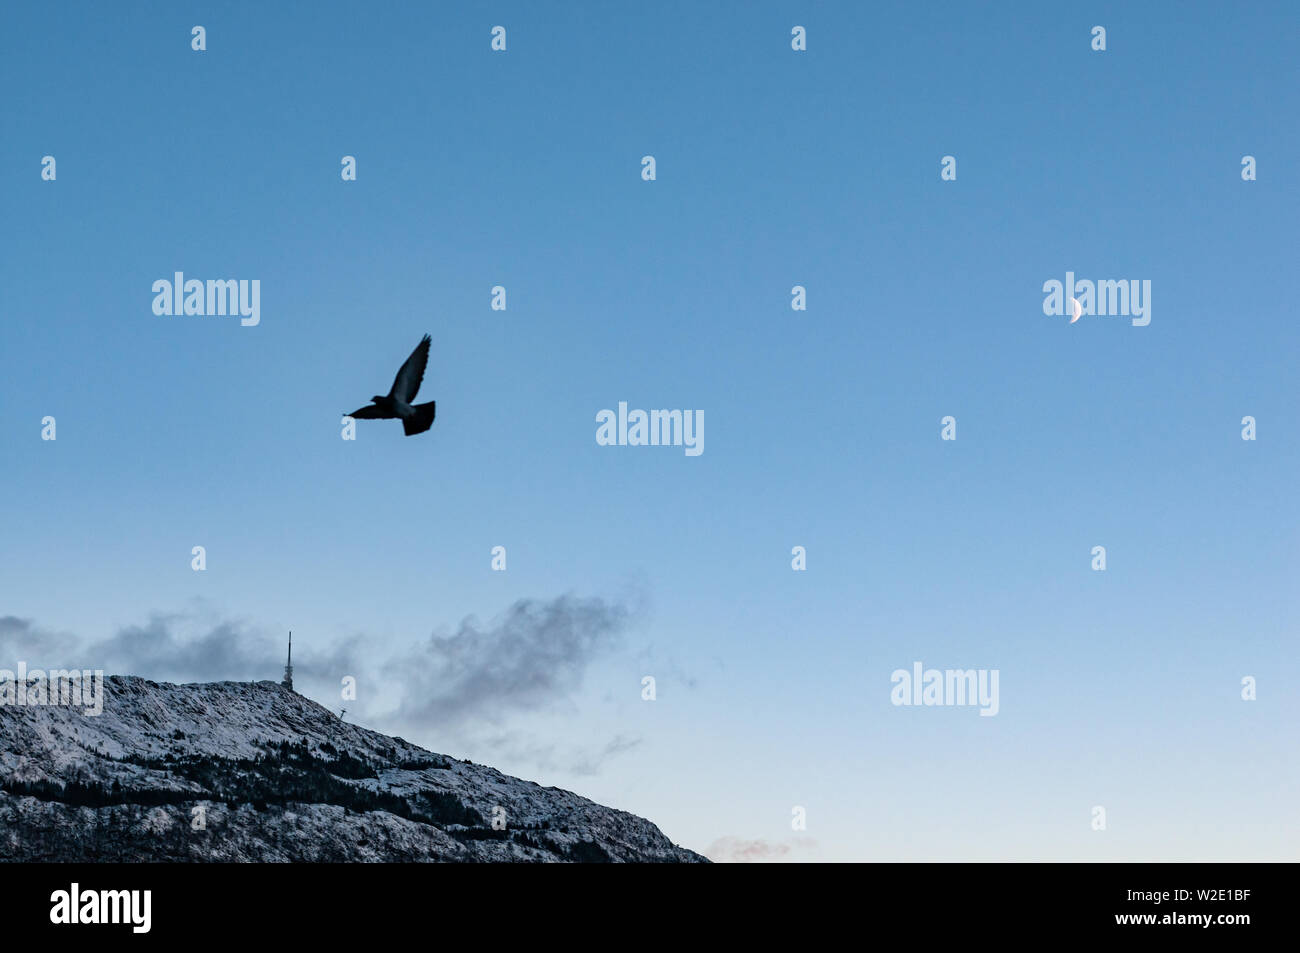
775 168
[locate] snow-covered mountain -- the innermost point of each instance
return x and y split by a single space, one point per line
251 771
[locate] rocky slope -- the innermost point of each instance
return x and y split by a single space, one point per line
240 771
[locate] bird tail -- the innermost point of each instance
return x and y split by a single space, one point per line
421 420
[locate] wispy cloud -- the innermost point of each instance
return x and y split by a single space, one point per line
522 747
735 850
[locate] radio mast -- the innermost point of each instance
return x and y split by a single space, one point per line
288 665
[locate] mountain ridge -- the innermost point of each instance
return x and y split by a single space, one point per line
252 771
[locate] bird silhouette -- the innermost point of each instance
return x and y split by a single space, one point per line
415 418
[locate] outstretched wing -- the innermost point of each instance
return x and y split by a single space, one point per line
409 378
371 413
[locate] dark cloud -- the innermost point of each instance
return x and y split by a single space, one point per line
534 655
180 647
21 640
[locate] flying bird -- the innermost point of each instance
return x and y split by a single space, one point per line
415 418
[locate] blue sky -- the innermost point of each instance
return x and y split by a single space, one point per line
774 168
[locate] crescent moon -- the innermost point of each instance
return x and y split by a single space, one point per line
1078 311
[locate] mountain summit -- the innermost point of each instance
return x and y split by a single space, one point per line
250 771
